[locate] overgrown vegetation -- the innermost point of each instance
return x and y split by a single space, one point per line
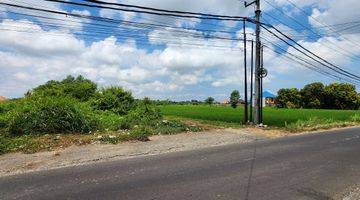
75 106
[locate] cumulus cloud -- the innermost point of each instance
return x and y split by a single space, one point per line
226 7
35 58
178 67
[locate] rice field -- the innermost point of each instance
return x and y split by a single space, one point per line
272 116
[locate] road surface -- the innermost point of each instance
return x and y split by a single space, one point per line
316 166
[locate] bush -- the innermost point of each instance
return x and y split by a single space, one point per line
78 88
174 126
141 133
110 121
114 99
355 118
50 115
146 113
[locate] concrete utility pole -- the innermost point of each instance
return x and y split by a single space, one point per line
246 112
252 81
257 96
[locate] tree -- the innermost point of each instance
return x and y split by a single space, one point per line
234 98
288 98
195 102
313 95
341 96
209 100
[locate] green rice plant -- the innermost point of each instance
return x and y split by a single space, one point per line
272 116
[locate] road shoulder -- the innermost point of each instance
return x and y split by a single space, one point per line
17 163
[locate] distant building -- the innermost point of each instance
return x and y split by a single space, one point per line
227 102
268 98
2 98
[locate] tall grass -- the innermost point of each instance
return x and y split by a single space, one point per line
272 116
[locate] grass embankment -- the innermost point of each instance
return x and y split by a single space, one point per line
289 119
35 143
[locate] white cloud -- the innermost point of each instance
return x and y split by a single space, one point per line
36 58
173 71
226 7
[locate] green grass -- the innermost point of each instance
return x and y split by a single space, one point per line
35 143
272 116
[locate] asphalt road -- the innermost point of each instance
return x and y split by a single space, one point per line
318 166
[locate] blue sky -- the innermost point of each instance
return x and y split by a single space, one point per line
165 64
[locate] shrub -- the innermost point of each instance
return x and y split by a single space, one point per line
114 99
50 115
78 88
141 133
110 121
174 126
355 118
146 113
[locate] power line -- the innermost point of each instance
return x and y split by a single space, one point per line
146 26
195 16
348 54
305 13
109 20
157 9
95 33
307 64
322 61
126 22
185 43
330 66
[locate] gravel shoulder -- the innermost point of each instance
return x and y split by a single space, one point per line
16 163
353 194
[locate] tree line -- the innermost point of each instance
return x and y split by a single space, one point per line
319 96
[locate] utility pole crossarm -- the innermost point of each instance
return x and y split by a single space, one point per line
249 4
